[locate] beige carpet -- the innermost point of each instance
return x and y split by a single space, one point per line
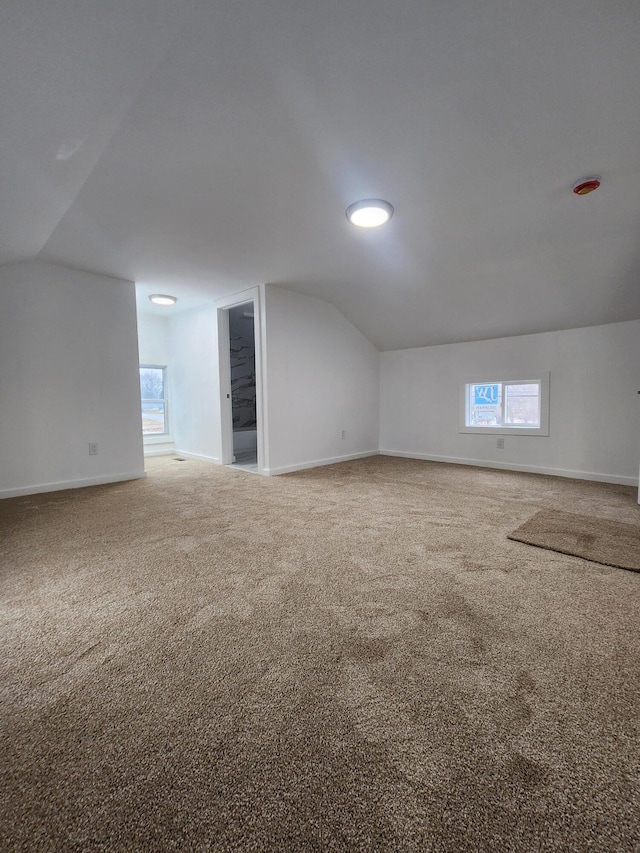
353 658
612 543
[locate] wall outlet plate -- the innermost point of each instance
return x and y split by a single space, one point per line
93 448
500 443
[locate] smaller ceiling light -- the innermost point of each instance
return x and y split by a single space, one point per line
369 213
586 185
162 299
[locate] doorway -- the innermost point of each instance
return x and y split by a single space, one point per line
242 362
239 350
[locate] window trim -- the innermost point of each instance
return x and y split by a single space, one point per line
157 437
489 379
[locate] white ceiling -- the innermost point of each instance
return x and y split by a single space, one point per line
201 147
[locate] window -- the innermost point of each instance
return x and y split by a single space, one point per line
506 406
153 394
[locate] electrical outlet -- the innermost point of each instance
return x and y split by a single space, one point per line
93 448
343 433
500 444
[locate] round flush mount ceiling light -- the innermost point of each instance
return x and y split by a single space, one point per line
369 213
162 299
586 185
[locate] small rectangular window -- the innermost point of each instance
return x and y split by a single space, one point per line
153 395
505 406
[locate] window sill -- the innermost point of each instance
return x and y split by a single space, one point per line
497 430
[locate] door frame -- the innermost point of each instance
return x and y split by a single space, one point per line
245 297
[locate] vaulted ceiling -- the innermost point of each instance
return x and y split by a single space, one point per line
199 147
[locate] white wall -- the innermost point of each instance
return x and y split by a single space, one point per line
594 412
68 376
155 348
153 339
195 383
321 378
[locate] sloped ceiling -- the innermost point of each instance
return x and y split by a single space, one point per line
201 147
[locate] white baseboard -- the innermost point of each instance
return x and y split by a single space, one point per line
69 484
188 455
508 466
288 469
154 446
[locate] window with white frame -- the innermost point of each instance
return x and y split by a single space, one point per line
153 398
495 405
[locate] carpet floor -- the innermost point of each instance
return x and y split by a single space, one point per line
350 658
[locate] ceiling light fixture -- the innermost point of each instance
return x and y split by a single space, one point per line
586 185
369 213
162 299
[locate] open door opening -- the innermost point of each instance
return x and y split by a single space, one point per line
242 361
241 392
